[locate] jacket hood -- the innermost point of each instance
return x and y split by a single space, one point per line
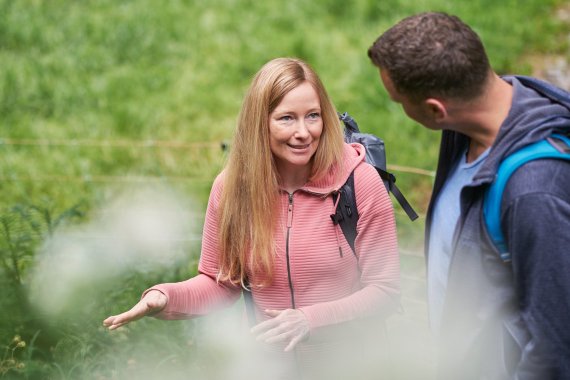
353 155
532 118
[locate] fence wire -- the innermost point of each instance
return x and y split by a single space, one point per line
126 143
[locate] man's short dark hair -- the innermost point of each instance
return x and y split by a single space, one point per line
432 54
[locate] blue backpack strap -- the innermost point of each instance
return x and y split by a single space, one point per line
555 147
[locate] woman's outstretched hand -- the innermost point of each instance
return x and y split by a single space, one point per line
153 302
288 326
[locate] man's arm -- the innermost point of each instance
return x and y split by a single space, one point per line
537 223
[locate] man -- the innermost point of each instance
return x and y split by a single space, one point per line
493 319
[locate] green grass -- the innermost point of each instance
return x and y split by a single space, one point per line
104 72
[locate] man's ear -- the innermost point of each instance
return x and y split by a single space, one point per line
436 109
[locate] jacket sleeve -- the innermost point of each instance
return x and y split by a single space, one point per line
202 294
538 235
377 251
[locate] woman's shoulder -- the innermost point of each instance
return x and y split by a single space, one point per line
365 172
217 187
219 180
365 175
368 184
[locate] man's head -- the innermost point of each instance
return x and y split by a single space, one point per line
432 55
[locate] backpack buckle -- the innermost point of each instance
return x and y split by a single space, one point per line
336 218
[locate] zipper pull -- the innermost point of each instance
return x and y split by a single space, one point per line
290 211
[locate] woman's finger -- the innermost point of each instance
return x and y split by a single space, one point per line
296 339
284 336
282 328
119 320
151 303
265 325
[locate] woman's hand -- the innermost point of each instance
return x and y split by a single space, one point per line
153 302
289 326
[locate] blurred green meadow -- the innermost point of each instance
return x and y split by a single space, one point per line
99 98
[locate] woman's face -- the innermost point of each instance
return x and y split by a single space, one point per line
295 127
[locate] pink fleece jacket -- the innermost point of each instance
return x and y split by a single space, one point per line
325 279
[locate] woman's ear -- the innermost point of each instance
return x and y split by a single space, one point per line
436 109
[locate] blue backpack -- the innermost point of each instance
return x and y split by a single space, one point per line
554 147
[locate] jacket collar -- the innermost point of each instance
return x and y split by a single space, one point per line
532 118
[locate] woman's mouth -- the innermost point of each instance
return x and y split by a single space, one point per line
299 147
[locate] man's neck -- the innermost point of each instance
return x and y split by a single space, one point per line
483 118
474 150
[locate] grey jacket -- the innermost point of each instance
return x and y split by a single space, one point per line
510 320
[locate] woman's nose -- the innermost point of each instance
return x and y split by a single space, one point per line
301 131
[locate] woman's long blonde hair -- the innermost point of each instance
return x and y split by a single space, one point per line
251 183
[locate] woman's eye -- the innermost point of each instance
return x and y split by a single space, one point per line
285 118
314 115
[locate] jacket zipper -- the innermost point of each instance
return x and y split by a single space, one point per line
289 224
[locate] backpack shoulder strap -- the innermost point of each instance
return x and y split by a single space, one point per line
390 183
346 213
555 147
249 305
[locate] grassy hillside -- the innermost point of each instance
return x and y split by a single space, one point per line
99 96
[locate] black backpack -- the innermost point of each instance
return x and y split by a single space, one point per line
346 214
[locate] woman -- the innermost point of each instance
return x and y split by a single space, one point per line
268 225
